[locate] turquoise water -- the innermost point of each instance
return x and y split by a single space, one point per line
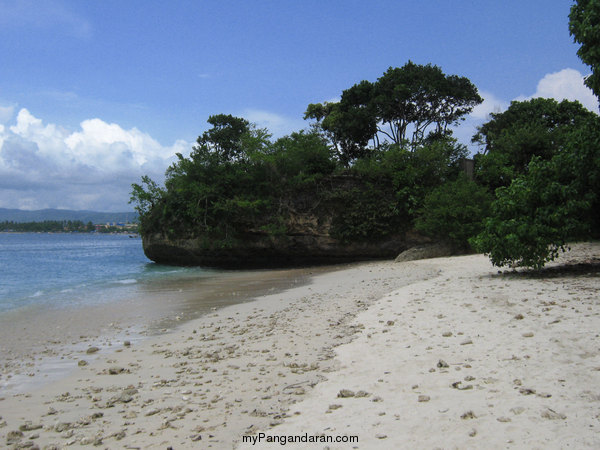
63 270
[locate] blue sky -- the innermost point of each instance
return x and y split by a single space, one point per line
93 94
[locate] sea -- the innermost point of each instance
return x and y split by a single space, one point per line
66 270
79 282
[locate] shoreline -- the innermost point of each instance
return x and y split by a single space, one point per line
215 377
39 345
409 337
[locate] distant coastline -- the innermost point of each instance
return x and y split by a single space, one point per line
67 221
68 226
85 216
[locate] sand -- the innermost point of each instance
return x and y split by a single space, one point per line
441 353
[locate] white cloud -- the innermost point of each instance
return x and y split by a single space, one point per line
490 104
45 165
6 113
566 84
276 124
465 130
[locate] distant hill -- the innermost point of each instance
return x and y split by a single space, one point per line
19 215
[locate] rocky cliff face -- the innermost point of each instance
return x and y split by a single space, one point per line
308 238
305 243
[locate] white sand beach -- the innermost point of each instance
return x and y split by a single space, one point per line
442 353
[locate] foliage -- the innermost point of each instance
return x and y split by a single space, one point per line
350 124
554 202
422 96
225 137
238 183
404 178
537 127
413 98
256 185
219 187
146 196
584 25
299 157
367 212
454 211
227 193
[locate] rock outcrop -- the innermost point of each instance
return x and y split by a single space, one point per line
303 244
426 251
309 223
267 251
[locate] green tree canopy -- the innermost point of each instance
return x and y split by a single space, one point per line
416 99
454 211
554 202
537 127
421 97
225 137
584 25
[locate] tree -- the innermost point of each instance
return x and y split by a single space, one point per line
350 123
300 156
454 211
537 127
421 96
414 98
218 186
147 197
584 26
225 137
554 202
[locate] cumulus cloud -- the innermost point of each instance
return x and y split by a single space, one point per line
566 84
490 104
46 166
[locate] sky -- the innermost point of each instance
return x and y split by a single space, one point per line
95 94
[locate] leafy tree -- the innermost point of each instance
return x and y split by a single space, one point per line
146 197
554 202
584 25
300 156
350 123
218 188
224 139
454 212
414 98
537 127
421 96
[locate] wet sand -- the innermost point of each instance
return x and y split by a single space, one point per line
37 344
441 353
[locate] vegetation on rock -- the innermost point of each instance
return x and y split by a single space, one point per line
238 183
377 164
